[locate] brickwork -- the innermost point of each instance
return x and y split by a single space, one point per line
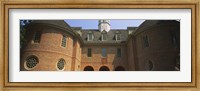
157 53
161 50
97 61
130 54
49 50
76 65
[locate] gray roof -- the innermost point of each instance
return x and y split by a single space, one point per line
83 33
60 23
149 23
110 36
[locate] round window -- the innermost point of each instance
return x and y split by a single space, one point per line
61 64
31 62
149 65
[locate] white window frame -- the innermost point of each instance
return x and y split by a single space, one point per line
88 36
102 37
117 36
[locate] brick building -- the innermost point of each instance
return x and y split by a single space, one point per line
53 45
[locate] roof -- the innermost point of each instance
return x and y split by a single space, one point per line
60 23
149 23
109 39
124 33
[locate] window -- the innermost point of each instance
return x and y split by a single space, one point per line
64 38
146 41
37 37
104 52
90 37
119 52
174 38
89 54
103 36
117 36
149 65
31 62
61 64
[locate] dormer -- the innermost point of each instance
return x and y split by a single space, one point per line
117 35
90 36
103 35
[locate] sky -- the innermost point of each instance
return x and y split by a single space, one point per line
114 24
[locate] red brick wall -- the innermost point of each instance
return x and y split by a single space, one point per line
76 65
161 51
49 50
130 54
112 60
135 56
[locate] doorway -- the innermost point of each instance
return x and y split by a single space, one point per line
88 68
104 68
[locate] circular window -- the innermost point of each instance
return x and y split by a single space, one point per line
61 64
149 65
31 62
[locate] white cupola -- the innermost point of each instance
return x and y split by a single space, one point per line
104 25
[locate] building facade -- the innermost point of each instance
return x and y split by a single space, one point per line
53 45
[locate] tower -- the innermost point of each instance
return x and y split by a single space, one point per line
104 25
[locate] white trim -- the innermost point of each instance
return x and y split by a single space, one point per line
57 65
88 38
117 36
102 37
184 75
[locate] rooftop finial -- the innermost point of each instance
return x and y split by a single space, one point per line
104 25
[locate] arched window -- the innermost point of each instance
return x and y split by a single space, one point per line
61 64
64 40
88 68
37 37
31 62
104 68
145 41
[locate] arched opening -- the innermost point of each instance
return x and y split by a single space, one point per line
88 68
104 68
119 68
149 65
